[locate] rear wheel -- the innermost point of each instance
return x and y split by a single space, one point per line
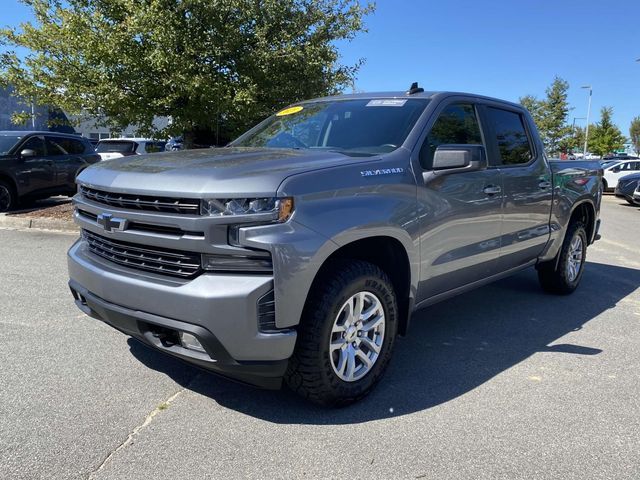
605 186
346 334
562 274
7 197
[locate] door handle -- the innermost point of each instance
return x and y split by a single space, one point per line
492 189
544 184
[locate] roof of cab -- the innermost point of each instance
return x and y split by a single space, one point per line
432 95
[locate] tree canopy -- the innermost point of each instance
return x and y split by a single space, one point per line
604 136
206 64
550 115
634 133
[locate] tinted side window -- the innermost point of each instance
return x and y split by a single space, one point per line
54 147
457 124
36 144
71 145
511 136
74 147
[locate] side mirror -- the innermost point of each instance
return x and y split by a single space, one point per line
27 152
459 157
615 169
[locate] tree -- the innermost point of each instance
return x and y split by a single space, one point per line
634 133
550 115
534 106
555 109
217 65
604 136
574 141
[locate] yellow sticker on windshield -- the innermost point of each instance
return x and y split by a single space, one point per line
289 111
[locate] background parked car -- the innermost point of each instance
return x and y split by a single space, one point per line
123 147
626 186
608 163
175 143
614 172
40 164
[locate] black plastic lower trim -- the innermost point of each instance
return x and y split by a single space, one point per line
155 331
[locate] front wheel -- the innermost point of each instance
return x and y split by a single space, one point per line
7 197
562 274
346 334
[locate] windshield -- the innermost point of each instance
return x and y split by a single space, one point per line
118 147
356 127
7 142
608 163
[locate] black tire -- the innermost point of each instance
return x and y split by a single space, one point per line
311 372
8 196
559 279
630 202
605 187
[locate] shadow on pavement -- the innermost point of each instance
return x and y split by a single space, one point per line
452 348
28 205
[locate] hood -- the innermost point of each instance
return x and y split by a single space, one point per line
631 176
220 171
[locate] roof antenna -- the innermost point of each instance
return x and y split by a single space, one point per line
415 89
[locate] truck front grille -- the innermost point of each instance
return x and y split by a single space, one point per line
153 259
189 206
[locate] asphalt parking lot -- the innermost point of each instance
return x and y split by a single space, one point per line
503 382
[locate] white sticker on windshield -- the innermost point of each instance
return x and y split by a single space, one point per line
386 102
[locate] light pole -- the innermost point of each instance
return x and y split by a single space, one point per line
586 133
573 130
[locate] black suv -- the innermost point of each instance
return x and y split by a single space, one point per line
40 164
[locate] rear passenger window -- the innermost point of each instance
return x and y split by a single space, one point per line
54 147
69 145
458 125
75 147
511 136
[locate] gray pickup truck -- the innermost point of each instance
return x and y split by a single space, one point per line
300 251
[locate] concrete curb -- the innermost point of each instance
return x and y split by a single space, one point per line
39 223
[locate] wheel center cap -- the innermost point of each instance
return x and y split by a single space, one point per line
352 331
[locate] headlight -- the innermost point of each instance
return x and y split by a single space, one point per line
280 208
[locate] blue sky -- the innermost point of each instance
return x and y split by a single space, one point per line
496 47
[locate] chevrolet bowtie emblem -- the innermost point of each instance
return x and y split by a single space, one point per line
111 223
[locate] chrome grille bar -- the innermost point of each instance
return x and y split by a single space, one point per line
158 260
143 202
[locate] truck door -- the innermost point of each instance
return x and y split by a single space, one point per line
460 211
527 185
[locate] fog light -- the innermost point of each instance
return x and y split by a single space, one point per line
190 342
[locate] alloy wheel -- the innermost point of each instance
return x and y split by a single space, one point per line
574 259
357 336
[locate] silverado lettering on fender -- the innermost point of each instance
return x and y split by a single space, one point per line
300 251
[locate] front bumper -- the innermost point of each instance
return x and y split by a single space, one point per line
220 310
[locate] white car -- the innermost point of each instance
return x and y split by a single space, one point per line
613 173
122 147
